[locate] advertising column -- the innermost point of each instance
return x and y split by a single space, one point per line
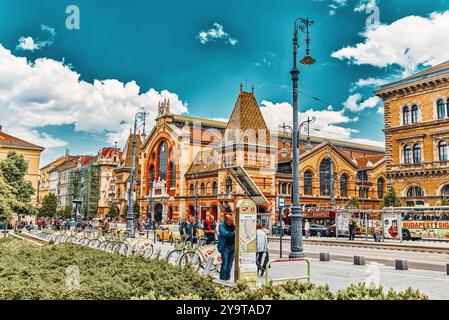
245 241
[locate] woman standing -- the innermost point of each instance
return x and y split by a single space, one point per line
262 247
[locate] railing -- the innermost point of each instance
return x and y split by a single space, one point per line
306 277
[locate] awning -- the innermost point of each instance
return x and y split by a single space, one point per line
244 180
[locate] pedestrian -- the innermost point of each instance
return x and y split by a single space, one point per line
377 232
39 223
191 229
307 228
105 226
226 246
209 228
351 227
261 250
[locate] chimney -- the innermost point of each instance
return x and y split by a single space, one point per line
1 128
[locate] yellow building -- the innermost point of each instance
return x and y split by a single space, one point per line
417 135
31 153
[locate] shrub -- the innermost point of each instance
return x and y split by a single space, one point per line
30 272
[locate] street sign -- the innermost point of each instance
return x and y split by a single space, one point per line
281 201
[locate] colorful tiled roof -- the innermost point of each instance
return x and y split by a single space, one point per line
247 119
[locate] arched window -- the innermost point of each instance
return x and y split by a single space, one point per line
228 186
344 185
414 113
445 191
415 192
406 115
325 170
284 188
214 188
172 174
416 153
407 154
441 109
442 150
162 170
203 189
192 189
308 183
380 188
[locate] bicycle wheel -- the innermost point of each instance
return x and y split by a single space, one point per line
148 253
110 246
174 257
191 259
71 239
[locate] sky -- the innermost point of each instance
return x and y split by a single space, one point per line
74 73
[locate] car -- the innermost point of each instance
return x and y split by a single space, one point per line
168 232
317 230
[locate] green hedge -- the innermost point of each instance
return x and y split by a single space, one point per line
32 272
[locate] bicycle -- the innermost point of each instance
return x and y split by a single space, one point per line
199 257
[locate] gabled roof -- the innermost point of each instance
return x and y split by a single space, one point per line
127 151
369 162
203 162
7 140
247 117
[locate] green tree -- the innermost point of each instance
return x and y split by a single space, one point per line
391 199
14 168
136 209
114 210
444 202
8 200
49 206
353 203
65 213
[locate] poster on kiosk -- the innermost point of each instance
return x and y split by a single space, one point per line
246 242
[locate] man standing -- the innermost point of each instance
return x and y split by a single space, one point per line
209 228
351 228
307 228
261 249
226 246
191 229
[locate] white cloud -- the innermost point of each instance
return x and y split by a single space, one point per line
356 103
369 82
267 60
362 5
47 92
29 44
214 33
407 42
328 123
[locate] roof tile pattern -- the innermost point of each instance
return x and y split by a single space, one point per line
247 121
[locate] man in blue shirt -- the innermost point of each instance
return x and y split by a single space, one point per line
226 246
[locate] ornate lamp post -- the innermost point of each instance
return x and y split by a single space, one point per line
296 246
140 117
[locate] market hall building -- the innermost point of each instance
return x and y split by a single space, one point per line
188 162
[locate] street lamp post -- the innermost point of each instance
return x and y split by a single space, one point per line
140 116
296 246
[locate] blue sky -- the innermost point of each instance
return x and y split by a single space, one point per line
150 50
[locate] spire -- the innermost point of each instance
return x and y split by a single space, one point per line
252 89
241 87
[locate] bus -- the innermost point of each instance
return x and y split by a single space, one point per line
416 222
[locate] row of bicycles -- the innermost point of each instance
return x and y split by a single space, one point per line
113 242
192 252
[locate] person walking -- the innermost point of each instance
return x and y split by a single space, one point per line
191 230
105 226
209 228
307 228
351 227
261 249
377 232
226 246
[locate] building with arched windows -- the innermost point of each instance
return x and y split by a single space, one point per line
417 136
185 165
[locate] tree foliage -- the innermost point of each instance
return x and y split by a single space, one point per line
391 199
49 206
353 203
7 200
114 210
